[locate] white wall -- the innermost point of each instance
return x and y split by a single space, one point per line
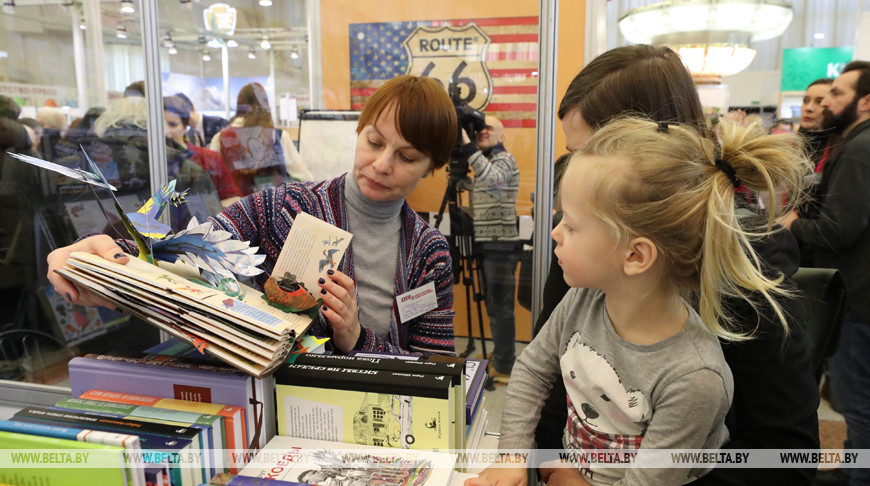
753 88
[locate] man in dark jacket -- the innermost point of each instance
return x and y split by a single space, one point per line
839 237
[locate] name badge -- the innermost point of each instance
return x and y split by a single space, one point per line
417 302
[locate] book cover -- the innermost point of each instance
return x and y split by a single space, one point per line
130 443
181 383
210 427
475 382
453 367
20 462
325 462
372 407
233 416
261 393
112 423
159 449
226 479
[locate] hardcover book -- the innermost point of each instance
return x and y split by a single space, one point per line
106 462
371 407
322 462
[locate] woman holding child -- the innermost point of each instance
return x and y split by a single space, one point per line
405 132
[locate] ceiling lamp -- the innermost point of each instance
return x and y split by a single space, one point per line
206 56
265 3
265 44
127 7
121 30
232 43
9 7
252 54
294 54
712 36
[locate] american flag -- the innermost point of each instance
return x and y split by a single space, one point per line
508 63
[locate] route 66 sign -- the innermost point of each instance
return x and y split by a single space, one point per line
452 54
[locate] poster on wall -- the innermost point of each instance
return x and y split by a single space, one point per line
493 62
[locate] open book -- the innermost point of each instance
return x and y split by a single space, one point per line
249 331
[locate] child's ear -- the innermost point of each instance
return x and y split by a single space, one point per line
640 256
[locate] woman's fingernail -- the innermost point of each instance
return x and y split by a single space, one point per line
330 272
324 308
323 291
68 297
321 281
119 255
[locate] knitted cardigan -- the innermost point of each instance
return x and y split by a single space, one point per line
265 218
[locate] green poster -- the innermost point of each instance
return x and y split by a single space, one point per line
803 65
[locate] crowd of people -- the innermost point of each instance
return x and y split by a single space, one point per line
670 319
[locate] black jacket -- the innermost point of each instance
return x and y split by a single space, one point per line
775 393
840 235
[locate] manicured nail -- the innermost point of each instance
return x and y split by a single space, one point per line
323 291
321 281
119 255
330 272
324 308
68 297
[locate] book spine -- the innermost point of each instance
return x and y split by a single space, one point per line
454 370
252 481
355 379
118 423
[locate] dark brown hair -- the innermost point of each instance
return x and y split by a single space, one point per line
862 86
827 81
252 105
650 81
423 115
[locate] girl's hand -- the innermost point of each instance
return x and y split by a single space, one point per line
101 245
562 476
339 308
500 476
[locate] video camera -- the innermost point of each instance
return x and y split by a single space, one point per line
470 120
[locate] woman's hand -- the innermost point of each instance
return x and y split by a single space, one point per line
101 245
339 308
500 476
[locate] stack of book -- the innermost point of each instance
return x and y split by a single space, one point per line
373 400
475 412
245 331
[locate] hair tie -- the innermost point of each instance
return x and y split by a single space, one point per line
663 127
729 171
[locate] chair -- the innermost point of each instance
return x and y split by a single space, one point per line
823 294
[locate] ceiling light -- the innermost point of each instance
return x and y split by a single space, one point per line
186 4
83 25
127 7
712 36
294 54
232 43
121 30
173 50
205 56
214 44
818 35
265 3
167 41
9 7
252 54
265 44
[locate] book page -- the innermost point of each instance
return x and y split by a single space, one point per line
312 247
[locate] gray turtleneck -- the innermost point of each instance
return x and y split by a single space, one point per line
375 227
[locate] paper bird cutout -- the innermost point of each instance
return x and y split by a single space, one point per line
213 252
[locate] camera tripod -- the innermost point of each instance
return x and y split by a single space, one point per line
467 266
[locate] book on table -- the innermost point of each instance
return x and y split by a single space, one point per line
444 365
105 463
371 407
325 462
211 426
160 444
136 474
